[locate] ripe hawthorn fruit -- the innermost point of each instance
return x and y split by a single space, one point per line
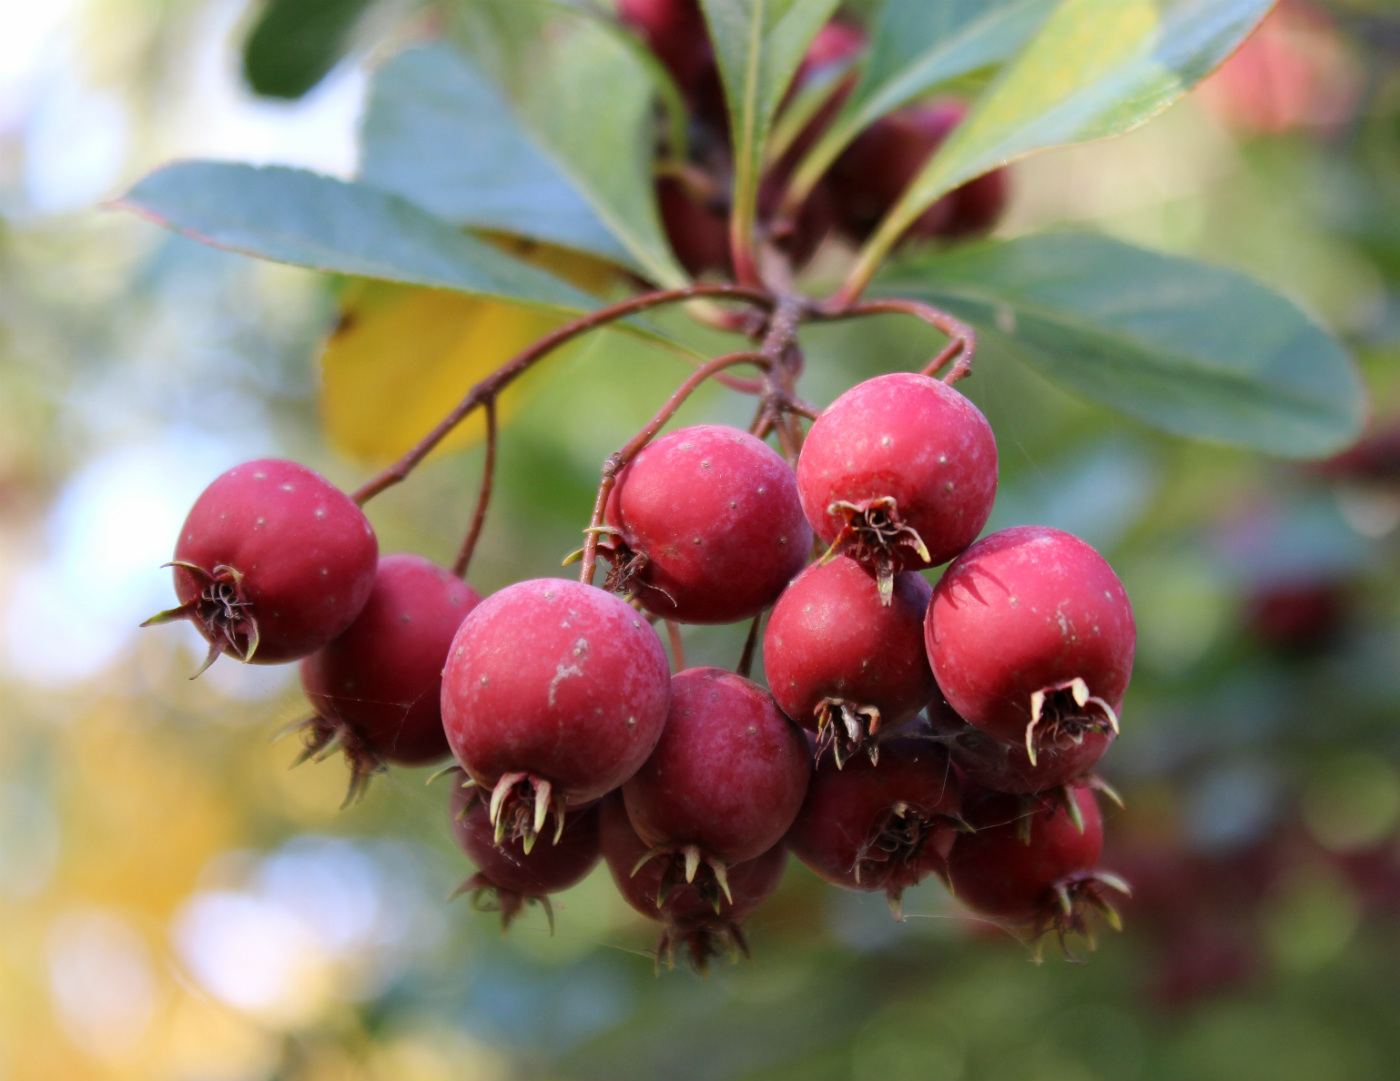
873 173
508 877
1028 862
842 663
880 827
705 526
1031 638
273 562
899 473
675 31
554 694
1006 767
377 688
725 781
705 923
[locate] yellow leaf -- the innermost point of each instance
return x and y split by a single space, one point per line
402 356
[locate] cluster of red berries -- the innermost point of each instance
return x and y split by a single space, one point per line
946 730
858 190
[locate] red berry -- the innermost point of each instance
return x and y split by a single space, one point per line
675 31
842 663
880 827
899 473
698 231
377 688
507 876
726 779
708 527
1006 767
1028 861
706 923
1298 617
553 695
1031 638
873 173
272 563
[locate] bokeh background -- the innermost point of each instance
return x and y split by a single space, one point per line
176 904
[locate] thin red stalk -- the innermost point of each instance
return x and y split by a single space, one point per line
494 383
673 632
483 498
618 460
962 343
750 648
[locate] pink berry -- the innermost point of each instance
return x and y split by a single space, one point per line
1029 862
553 695
508 877
707 526
899 473
880 827
705 923
272 563
842 663
377 688
725 781
1031 638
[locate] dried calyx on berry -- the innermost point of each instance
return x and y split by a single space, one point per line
509 876
272 563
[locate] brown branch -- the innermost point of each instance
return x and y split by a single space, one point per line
493 384
483 498
962 344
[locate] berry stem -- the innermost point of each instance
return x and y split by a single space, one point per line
673 632
962 344
745 665
483 499
619 459
494 383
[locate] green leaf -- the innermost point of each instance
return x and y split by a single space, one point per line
1097 68
586 100
295 43
303 218
437 132
916 46
759 45
1192 349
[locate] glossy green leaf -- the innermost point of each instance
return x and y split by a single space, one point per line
439 133
916 46
1097 68
586 100
1192 349
298 217
295 43
759 45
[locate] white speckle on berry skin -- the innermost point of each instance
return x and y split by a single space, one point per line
320 512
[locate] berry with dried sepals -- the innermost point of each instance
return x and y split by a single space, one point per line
377 688
704 923
873 173
1006 767
508 877
1030 863
272 563
1031 638
842 663
899 473
705 526
725 781
880 827
554 693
